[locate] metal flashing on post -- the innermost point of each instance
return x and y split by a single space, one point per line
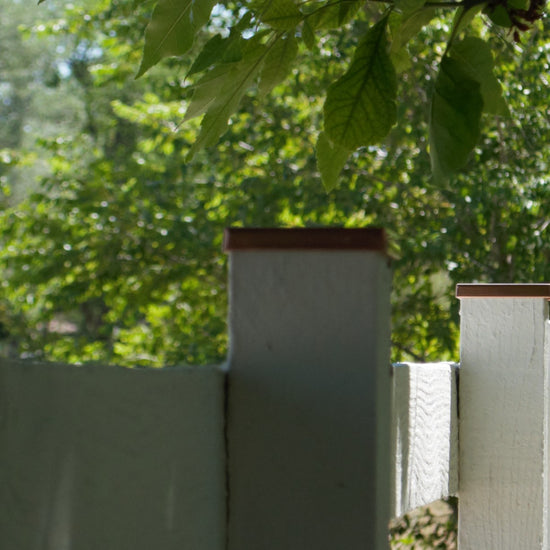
305 238
503 290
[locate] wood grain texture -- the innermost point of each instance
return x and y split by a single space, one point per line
503 492
425 434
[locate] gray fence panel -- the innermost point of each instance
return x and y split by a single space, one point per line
107 458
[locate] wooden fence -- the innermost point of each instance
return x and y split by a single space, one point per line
307 438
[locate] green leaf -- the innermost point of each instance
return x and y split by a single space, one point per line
476 57
403 28
347 9
172 29
218 50
463 17
207 90
334 14
280 14
224 50
331 159
360 106
210 54
455 117
278 63
308 35
519 4
499 16
401 59
231 84
407 7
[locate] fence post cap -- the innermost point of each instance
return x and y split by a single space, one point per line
503 290
305 238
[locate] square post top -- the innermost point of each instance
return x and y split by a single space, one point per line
503 290
304 238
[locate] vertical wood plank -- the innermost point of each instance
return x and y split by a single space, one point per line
426 434
309 400
503 492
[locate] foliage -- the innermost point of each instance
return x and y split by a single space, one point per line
432 527
116 255
33 100
263 42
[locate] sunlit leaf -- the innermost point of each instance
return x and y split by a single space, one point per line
476 57
403 28
360 106
455 117
280 14
278 63
207 90
330 161
407 7
233 84
464 17
333 15
172 29
519 4
401 59
212 88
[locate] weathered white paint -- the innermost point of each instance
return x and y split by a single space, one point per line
309 400
425 433
111 458
504 455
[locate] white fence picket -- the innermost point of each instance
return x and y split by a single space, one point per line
425 425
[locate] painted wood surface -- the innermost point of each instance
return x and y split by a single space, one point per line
291 447
504 455
111 458
425 425
309 400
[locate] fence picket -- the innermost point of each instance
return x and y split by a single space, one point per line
425 424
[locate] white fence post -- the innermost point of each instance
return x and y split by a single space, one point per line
309 390
504 407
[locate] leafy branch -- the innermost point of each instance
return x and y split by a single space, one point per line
360 108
